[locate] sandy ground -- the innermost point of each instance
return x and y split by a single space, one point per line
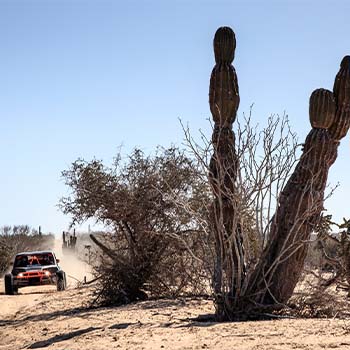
41 318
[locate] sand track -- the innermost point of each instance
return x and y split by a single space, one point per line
27 297
61 320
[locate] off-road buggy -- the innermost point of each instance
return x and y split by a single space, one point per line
35 269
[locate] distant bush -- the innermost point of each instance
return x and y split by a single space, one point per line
15 239
315 256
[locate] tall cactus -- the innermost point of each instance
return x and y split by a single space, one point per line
299 205
301 201
224 102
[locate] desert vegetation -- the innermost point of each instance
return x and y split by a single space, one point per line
197 191
331 254
157 211
154 242
232 216
239 292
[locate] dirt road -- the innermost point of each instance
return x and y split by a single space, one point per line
27 298
45 319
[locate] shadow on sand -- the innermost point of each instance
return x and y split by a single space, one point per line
70 335
83 312
61 337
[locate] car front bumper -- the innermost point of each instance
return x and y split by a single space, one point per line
34 278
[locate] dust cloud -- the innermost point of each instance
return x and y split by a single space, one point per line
76 269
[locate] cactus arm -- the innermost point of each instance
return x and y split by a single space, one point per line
301 201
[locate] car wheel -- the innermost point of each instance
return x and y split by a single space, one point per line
61 281
9 287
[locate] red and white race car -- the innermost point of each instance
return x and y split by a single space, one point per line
35 269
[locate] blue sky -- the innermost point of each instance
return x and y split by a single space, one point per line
80 78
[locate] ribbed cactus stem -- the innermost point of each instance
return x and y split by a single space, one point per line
224 45
341 91
322 109
301 201
224 102
341 86
299 205
223 93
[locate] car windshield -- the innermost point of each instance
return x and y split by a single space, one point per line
34 259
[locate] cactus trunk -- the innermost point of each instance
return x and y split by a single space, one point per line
301 201
224 102
241 294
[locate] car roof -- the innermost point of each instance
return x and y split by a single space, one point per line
36 252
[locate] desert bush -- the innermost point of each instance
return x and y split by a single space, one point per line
315 302
332 252
324 283
15 239
154 243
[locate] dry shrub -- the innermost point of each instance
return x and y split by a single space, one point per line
168 271
155 245
313 300
317 304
